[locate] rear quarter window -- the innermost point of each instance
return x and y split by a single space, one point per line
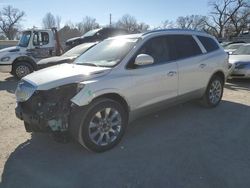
209 44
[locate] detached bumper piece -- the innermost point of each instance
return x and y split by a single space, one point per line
47 111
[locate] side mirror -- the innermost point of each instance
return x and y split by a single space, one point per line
144 59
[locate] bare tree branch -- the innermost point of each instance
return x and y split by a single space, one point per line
9 19
49 21
58 22
87 24
130 24
167 25
222 13
196 22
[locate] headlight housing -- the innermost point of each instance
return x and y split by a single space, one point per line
24 91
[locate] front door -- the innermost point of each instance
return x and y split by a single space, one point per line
154 83
42 47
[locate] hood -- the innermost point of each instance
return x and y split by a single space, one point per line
10 49
239 58
54 60
73 39
64 74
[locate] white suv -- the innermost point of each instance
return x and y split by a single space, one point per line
119 79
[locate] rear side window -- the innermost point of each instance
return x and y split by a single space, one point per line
186 46
209 44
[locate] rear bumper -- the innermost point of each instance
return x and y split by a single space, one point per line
5 68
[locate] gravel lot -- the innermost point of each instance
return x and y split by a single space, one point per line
183 146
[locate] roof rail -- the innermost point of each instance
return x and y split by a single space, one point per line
161 30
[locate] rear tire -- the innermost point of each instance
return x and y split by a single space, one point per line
103 125
22 69
214 92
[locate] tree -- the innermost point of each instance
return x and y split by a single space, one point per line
142 27
221 13
49 21
127 22
167 25
9 21
239 21
58 22
87 24
130 24
196 22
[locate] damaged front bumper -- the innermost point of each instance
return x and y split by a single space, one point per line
47 111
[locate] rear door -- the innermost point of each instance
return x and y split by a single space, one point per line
190 64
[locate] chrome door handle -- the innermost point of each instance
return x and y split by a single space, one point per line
171 73
202 66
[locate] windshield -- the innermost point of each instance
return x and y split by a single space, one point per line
25 38
107 53
243 50
91 33
233 46
78 50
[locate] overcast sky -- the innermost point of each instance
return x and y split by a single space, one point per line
152 12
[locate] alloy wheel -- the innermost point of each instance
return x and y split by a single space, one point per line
105 126
22 71
215 92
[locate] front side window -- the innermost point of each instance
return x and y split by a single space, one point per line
108 53
159 48
186 46
25 38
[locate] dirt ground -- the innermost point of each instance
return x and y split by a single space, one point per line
183 146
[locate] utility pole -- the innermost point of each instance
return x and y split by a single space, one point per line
110 20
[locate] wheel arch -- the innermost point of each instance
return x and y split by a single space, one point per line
25 59
116 97
88 94
220 74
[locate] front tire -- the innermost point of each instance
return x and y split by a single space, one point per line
214 92
104 125
22 69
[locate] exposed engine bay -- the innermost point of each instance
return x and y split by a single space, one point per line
47 111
